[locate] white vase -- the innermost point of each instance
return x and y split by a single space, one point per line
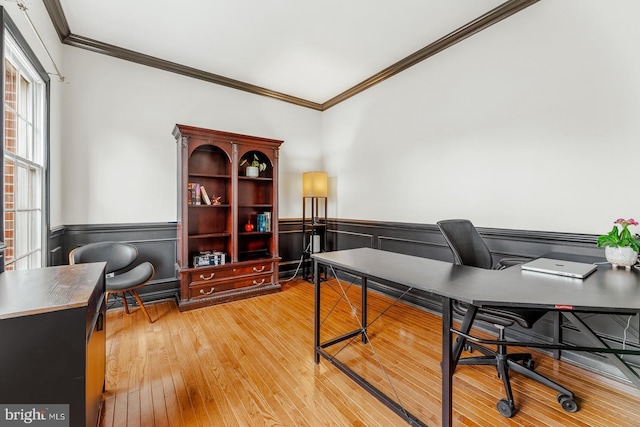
621 257
252 171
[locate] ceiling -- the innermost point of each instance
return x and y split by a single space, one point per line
308 52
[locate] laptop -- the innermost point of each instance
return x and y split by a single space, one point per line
579 270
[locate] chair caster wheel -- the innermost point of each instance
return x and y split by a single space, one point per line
567 403
529 364
505 408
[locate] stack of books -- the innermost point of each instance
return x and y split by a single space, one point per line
207 258
194 196
197 195
264 222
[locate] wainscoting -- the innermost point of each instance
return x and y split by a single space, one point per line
157 244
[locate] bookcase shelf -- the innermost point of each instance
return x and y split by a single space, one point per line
209 175
249 178
215 160
209 235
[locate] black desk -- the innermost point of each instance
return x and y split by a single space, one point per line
607 291
52 329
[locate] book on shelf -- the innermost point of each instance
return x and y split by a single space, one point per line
191 193
204 195
267 218
198 197
261 223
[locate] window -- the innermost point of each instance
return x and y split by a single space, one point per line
24 160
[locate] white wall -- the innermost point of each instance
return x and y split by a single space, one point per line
530 124
119 153
519 126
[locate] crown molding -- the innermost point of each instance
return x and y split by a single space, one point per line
56 14
506 9
151 61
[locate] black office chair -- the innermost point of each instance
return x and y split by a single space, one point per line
469 248
118 257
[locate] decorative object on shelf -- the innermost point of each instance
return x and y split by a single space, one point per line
255 167
621 247
215 200
248 226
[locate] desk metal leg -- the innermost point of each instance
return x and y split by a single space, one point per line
447 362
316 313
613 358
364 306
557 333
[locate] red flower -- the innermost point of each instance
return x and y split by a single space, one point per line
626 222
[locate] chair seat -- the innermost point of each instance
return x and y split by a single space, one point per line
131 279
497 316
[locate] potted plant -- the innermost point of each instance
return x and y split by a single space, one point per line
255 167
620 246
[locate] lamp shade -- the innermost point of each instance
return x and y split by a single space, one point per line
314 184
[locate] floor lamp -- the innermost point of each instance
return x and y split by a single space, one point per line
314 213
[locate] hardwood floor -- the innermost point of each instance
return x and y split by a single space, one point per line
250 363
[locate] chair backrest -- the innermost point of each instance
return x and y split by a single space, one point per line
117 255
465 242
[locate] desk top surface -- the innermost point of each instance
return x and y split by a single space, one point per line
43 290
607 289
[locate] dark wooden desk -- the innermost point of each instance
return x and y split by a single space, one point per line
607 290
52 337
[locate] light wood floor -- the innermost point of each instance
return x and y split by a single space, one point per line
250 363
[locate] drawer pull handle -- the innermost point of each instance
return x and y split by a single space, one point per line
207 293
208 277
258 270
255 282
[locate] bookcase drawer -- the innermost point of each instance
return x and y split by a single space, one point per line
261 279
207 289
209 274
202 290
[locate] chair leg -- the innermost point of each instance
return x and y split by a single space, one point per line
144 310
516 367
506 407
124 302
521 363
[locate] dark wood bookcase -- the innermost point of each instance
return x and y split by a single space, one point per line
212 159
